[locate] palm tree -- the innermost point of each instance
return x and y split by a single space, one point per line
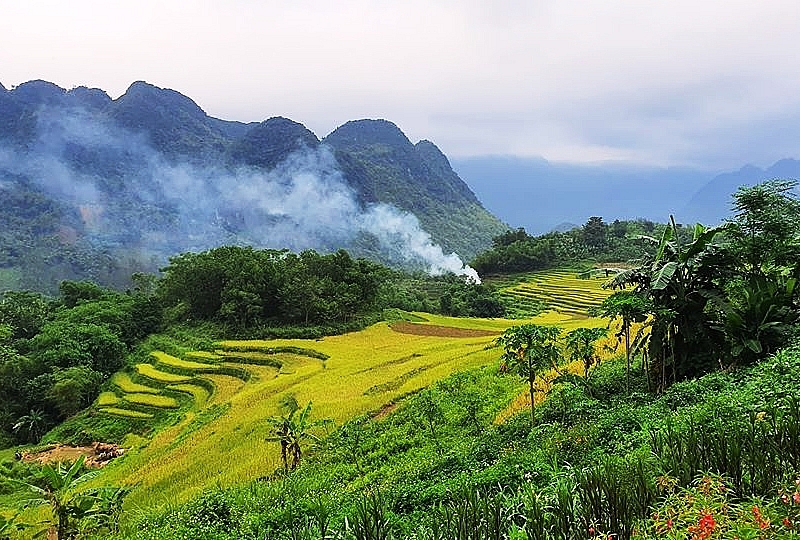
528 349
60 483
32 424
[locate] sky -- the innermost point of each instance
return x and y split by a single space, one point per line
712 84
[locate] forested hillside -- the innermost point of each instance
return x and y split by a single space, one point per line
96 188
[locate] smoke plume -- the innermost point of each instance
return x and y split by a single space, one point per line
130 196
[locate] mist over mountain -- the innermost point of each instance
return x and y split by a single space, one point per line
712 203
547 195
97 188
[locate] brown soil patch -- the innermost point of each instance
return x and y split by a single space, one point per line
439 331
97 455
384 411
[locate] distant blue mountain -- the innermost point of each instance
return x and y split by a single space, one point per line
712 203
541 196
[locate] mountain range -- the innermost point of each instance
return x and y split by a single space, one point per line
95 187
551 195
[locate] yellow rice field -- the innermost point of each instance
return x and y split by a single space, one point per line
116 411
107 399
167 360
199 394
152 400
149 371
123 381
222 438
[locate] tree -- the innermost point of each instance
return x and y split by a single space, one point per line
675 286
32 425
74 388
581 344
432 412
291 431
530 348
631 308
63 344
594 232
763 233
24 311
59 493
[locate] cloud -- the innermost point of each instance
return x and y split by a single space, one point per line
647 81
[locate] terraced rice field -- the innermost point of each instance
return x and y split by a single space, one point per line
152 400
149 371
560 291
218 401
198 393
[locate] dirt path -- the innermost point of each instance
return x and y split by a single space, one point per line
97 455
439 331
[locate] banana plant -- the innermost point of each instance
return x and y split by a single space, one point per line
292 429
60 492
679 280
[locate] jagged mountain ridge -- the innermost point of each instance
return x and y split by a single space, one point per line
88 178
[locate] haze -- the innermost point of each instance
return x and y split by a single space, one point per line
710 85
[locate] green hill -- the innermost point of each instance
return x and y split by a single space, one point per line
99 188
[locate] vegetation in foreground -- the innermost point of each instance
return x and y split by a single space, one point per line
601 460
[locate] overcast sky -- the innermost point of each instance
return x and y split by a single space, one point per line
711 83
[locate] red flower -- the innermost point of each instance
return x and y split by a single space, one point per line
705 526
761 521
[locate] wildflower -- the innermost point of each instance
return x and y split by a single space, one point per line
591 531
705 526
796 497
761 521
787 523
760 416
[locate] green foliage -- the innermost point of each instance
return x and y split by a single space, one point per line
242 287
53 361
582 346
24 311
291 431
763 232
517 251
463 299
528 349
58 492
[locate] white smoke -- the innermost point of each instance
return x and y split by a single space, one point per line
302 203
402 229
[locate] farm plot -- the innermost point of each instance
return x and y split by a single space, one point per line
561 291
223 433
